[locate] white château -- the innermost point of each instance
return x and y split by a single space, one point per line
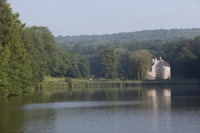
160 70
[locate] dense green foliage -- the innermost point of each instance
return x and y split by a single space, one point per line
108 63
27 54
15 70
179 47
131 40
139 62
45 57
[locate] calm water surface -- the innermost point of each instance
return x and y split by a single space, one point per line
174 109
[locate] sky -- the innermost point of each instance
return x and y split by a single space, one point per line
92 17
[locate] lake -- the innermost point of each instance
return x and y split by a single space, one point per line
150 109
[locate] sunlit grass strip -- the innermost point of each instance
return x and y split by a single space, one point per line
53 79
71 83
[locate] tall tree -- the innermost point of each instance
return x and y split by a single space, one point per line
109 64
84 67
13 62
46 58
36 53
73 70
139 64
187 63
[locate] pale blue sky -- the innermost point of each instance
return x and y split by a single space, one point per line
76 17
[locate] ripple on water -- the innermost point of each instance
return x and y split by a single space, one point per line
60 105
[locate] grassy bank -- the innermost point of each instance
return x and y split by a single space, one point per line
70 83
52 83
105 83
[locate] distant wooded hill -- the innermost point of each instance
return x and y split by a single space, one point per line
179 47
129 37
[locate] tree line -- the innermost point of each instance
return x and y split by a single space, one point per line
27 54
131 59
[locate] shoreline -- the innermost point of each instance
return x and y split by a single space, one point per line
105 83
56 84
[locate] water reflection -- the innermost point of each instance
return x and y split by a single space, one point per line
160 97
140 109
111 94
39 121
161 100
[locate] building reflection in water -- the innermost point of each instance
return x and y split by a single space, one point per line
160 100
160 97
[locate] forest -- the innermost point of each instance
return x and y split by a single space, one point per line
28 54
127 54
